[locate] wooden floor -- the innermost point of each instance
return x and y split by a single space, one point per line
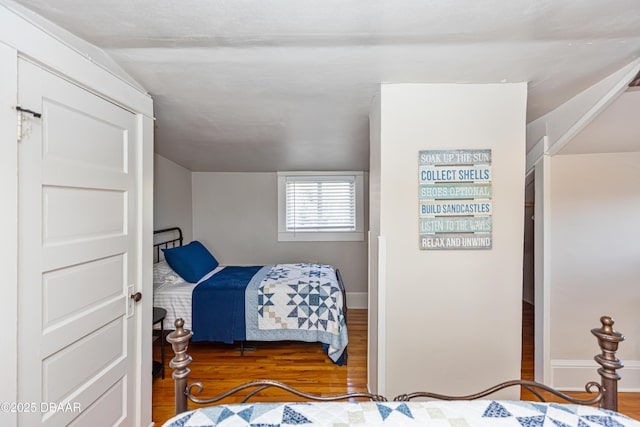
304 366
301 365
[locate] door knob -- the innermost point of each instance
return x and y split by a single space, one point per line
136 297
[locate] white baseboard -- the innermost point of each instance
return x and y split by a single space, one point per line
572 375
357 300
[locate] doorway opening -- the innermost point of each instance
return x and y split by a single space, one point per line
528 270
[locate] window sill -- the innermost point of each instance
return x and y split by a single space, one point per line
355 236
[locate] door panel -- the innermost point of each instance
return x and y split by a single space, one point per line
58 308
77 232
84 323
107 410
108 148
79 213
80 252
66 370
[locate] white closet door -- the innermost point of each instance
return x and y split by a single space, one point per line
77 256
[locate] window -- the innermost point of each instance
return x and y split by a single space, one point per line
320 206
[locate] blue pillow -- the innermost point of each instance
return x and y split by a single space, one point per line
192 262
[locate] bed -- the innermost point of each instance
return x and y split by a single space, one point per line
281 302
366 409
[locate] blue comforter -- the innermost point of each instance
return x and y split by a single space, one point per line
218 305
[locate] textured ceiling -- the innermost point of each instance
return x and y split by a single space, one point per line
254 85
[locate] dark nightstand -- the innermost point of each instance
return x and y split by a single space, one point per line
158 317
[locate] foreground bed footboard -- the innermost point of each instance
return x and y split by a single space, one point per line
605 393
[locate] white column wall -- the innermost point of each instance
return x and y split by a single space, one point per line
373 362
453 317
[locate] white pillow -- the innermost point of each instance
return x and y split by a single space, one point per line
162 274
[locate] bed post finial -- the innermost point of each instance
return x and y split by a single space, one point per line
608 339
179 340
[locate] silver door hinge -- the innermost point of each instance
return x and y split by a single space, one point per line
19 126
21 111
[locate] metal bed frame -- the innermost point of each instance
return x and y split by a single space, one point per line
167 243
605 392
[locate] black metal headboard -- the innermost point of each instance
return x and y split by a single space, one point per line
165 238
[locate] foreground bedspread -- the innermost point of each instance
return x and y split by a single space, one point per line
485 413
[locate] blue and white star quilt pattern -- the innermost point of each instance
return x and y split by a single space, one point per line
477 413
298 302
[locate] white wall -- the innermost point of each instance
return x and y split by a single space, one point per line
595 262
236 216
172 197
453 318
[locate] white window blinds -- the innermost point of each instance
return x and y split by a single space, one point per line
320 203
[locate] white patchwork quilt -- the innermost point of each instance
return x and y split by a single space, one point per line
298 302
477 413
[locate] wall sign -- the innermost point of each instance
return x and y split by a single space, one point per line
455 199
